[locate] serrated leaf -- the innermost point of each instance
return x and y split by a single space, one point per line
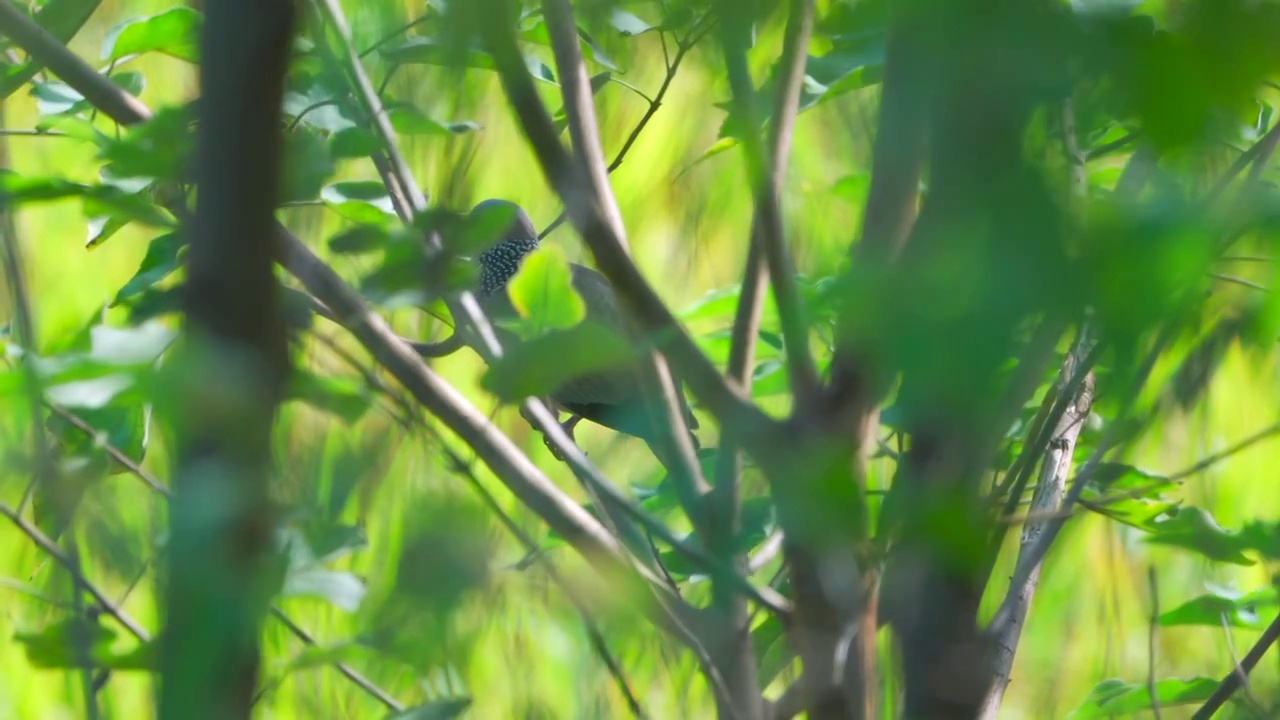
174 32
1195 529
542 292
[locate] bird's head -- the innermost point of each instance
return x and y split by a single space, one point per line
500 262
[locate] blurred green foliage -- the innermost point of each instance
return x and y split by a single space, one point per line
396 564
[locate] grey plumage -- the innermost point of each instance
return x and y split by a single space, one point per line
609 397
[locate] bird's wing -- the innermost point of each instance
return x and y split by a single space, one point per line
623 384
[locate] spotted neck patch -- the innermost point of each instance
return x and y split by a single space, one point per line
500 263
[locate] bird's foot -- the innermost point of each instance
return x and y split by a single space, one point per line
568 426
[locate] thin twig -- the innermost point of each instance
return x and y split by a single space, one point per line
1232 679
531 547
696 34
154 484
1218 457
1034 553
1152 629
51 548
1235 663
724 500
673 436
768 230
1240 281
724 400
1264 146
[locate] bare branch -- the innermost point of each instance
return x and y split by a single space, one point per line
515 470
1152 628
673 441
579 604
699 30
726 401
1232 679
1218 457
724 499
1047 498
768 228
154 484
51 548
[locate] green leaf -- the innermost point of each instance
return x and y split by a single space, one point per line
56 98
164 256
1237 608
132 82
306 575
538 366
174 32
1111 698
307 164
407 119
446 709
341 589
758 521
1128 495
627 24
69 643
772 653
353 142
316 656
1195 529
542 292
344 397
123 426
359 239
117 358
158 148
428 51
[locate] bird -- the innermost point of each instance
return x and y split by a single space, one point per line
611 397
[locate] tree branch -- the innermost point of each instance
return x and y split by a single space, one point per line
51 548
1232 679
724 501
515 470
768 223
1047 498
674 440
726 401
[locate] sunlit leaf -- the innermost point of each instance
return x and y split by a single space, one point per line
537 366
174 32
627 23
1111 698
1195 529
543 293
1222 604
